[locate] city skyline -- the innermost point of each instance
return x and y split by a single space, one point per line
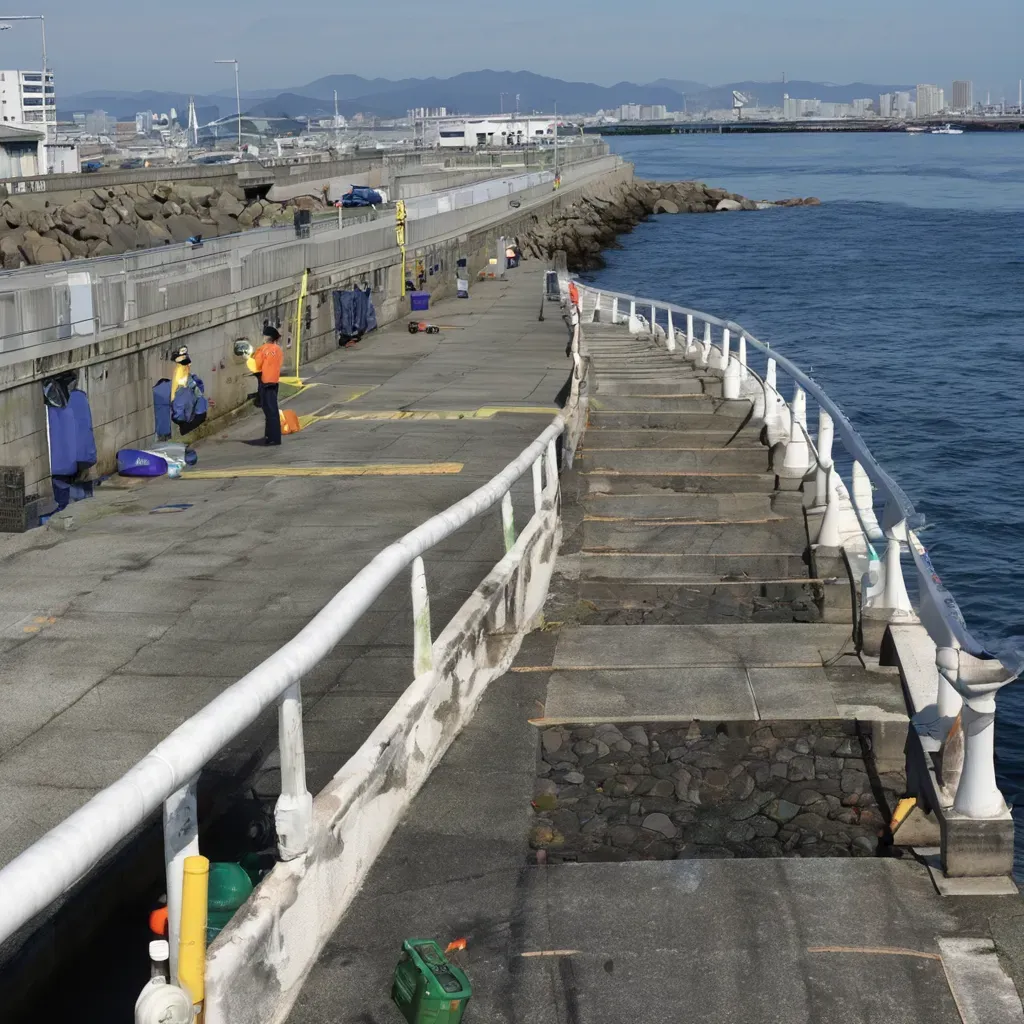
107 44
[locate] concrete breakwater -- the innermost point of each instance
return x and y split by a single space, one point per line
600 215
123 218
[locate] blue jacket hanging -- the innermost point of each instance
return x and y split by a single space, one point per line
189 405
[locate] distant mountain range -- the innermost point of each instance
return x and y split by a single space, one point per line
474 92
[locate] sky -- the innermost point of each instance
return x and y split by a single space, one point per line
132 45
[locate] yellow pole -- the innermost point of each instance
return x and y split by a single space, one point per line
303 292
192 942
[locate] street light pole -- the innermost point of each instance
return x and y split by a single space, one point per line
41 18
238 99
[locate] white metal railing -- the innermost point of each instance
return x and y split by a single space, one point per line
969 671
167 776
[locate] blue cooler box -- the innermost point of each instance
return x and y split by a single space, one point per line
419 301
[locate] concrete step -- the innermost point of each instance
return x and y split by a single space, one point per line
681 506
659 385
688 394
748 439
702 414
686 537
642 602
781 645
686 567
605 482
714 460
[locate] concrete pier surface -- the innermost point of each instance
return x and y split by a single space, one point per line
669 808
166 592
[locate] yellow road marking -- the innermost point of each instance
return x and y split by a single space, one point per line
372 469
485 413
875 950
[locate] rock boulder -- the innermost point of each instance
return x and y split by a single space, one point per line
665 206
727 205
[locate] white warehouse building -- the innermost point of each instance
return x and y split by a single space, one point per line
26 106
492 130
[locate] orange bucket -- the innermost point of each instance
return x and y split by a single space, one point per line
289 421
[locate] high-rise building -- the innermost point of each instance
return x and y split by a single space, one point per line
930 100
629 112
901 103
22 96
963 96
861 107
886 105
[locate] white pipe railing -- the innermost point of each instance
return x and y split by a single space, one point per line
969 671
167 775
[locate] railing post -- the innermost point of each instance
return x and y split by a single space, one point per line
704 356
977 681
615 309
723 355
632 308
690 343
743 358
596 315
508 526
422 641
552 466
894 596
538 484
797 457
828 529
730 372
670 337
181 840
826 435
861 492
293 813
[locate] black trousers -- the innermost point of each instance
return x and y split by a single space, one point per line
272 431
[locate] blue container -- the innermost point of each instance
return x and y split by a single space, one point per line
419 301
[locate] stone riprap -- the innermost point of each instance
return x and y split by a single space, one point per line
124 218
704 789
594 222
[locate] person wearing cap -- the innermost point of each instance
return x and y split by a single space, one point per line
268 358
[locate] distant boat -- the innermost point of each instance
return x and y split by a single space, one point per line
915 131
947 129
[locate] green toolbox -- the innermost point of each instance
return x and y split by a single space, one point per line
426 988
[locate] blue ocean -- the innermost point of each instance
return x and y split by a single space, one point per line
902 294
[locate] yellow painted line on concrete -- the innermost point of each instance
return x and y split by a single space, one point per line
317 414
485 413
372 469
875 951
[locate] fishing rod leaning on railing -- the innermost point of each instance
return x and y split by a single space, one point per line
970 672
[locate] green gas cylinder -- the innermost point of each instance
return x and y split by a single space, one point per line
426 987
230 887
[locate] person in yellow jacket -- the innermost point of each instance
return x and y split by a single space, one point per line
268 359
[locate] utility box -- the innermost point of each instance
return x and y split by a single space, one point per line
426 988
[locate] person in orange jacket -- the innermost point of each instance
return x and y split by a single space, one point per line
268 358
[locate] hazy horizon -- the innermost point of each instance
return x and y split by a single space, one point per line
114 45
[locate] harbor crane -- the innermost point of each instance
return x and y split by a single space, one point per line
739 101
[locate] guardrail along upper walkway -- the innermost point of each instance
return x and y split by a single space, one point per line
676 796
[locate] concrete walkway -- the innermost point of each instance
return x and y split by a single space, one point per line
168 591
683 595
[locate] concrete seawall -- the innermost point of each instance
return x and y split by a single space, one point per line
119 371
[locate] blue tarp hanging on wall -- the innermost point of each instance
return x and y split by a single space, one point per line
72 444
354 314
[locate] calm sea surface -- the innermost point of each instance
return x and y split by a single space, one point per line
903 294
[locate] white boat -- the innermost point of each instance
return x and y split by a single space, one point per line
947 129
914 131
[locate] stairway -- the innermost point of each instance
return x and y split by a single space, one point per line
685 589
